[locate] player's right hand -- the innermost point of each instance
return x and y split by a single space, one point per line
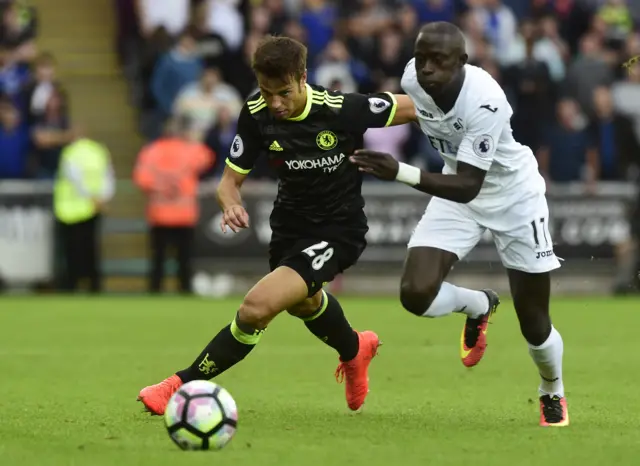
235 217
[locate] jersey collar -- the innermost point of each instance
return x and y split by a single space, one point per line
307 106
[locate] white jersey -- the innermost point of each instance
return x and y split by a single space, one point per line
477 131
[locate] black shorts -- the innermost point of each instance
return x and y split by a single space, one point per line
317 254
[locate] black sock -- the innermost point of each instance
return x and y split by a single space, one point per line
330 325
228 347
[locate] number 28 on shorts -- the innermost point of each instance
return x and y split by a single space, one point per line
320 254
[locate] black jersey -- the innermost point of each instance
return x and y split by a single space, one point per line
317 183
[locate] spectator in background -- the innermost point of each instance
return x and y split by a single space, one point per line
240 71
626 96
84 185
587 72
635 234
616 141
50 134
318 18
155 47
616 17
550 34
14 76
493 68
483 57
611 44
128 35
359 45
295 30
260 20
543 49
224 18
212 48
629 54
176 69
14 142
568 152
279 16
634 9
172 16
573 18
391 57
499 24
168 172
531 91
219 140
365 24
626 148
41 88
478 46
18 31
408 25
434 10
521 8
202 101
337 65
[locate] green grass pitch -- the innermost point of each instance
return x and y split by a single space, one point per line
71 369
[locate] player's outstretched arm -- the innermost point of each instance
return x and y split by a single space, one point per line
486 120
462 187
230 201
405 111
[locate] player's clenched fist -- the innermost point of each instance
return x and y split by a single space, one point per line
234 217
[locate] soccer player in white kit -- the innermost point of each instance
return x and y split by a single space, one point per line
489 181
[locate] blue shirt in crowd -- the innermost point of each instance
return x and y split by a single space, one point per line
14 150
173 72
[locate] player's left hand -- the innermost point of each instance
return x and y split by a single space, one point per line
379 164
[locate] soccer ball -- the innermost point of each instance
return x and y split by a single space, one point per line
201 415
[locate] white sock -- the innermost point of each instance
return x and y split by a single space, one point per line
452 298
548 358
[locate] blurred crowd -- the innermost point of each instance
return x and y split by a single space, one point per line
561 63
34 120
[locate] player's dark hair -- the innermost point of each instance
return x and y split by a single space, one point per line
442 27
449 30
280 58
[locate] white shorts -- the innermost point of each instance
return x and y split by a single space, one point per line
520 231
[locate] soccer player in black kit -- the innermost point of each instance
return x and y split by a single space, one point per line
318 222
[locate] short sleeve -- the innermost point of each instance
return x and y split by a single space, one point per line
486 123
360 112
246 146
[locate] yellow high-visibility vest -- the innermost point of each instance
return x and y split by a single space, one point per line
617 16
92 158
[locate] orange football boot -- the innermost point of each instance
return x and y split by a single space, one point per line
473 341
356 372
553 411
156 397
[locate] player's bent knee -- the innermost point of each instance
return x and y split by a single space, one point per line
535 322
536 331
256 312
416 296
530 293
306 307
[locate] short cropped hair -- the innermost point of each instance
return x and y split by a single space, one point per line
280 58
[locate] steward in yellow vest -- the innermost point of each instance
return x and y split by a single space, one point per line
84 183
